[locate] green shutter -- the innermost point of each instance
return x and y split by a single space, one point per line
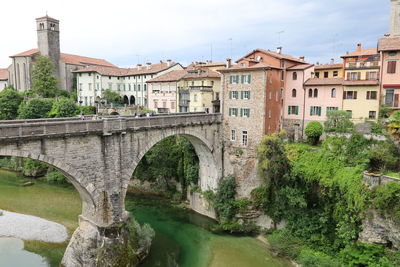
241 94
249 94
297 110
241 112
230 94
319 111
230 112
249 78
248 112
288 110
242 79
310 111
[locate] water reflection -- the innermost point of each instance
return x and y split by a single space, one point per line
12 254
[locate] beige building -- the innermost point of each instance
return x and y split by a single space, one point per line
48 34
329 71
3 79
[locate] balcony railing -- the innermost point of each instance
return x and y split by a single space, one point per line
201 88
184 103
363 65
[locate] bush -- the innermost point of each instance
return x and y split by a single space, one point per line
9 103
313 132
63 107
394 123
285 243
384 157
87 110
387 199
224 202
35 108
361 254
34 168
311 258
338 121
55 177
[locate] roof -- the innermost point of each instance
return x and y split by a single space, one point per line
324 81
258 66
362 52
361 82
328 66
273 54
301 67
201 73
47 17
115 71
3 74
389 44
205 64
70 59
172 76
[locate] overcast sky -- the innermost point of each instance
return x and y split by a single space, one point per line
126 32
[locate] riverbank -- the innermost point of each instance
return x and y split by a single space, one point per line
31 228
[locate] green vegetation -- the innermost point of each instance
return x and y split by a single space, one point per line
9 103
313 132
112 97
64 107
386 199
87 110
338 121
35 108
394 123
44 83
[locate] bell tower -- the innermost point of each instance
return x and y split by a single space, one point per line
48 34
395 19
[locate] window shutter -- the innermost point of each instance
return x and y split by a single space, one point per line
368 94
367 76
248 94
241 94
355 94
348 76
248 112
288 110
344 94
249 78
242 79
230 79
297 110
310 111
358 75
394 66
319 111
230 112
241 112
230 94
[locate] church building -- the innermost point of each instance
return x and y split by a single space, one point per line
48 35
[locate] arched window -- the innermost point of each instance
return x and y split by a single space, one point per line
310 92
315 92
294 75
333 93
294 93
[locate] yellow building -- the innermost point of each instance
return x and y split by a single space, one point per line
361 84
199 91
329 71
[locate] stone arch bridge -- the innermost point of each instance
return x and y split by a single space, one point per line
99 156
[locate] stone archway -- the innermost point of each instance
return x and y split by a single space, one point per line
126 100
132 100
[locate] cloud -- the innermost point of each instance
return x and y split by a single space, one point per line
125 32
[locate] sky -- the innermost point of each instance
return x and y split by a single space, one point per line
127 32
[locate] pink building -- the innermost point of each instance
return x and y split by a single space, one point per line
389 49
163 91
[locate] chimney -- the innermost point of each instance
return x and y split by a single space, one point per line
169 62
228 63
279 50
302 58
148 65
332 61
139 66
359 47
161 61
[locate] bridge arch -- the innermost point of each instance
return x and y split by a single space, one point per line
88 203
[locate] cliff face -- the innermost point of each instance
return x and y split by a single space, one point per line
379 229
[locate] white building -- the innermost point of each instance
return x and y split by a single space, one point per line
130 83
3 79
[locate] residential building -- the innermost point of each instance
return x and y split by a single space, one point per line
329 71
48 35
361 85
294 99
253 101
130 83
214 66
163 91
3 79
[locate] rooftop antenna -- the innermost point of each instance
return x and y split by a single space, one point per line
279 36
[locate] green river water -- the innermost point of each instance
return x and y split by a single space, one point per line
182 237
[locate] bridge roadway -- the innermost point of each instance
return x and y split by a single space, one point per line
98 156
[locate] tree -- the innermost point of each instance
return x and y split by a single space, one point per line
394 123
35 108
338 121
64 107
44 84
9 103
313 131
112 97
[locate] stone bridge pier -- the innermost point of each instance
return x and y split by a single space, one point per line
99 156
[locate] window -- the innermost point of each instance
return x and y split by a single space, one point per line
326 74
392 53
282 63
145 88
123 87
134 87
119 87
317 75
335 73
333 93
233 112
97 77
138 87
353 76
195 98
172 105
246 79
245 112
294 93
294 76
310 93
331 108
97 87
350 112
350 95
164 104
244 138
372 75
391 67
109 77
315 111
372 95
233 79
90 86
315 93
372 115
216 96
110 86
233 95
270 95
90 74
80 87
129 87
233 135
282 75
245 94
293 110
389 97
212 83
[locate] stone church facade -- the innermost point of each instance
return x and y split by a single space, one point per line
48 35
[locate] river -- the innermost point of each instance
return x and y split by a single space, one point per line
182 236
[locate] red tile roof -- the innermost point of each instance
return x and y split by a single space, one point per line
273 54
3 74
301 67
389 44
201 73
172 76
328 66
70 59
362 82
324 81
259 66
362 52
154 68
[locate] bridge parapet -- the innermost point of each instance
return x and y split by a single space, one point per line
105 126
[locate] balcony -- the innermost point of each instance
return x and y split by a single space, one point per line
184 103
203 88
362 65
